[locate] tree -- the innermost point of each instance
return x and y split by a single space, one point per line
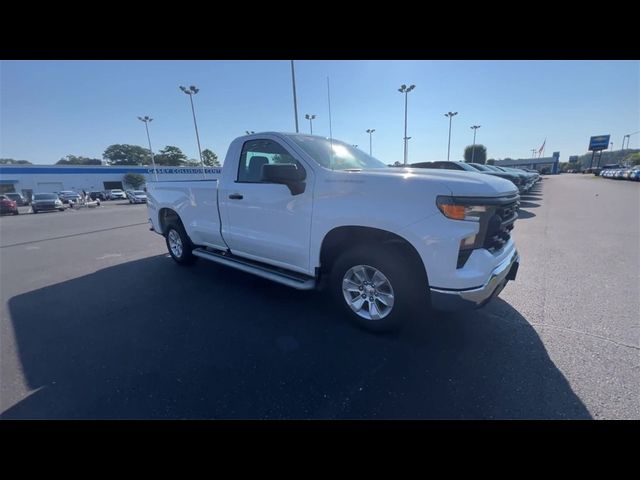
491 161
123 154
73 160
633 159
480 155
134 179
11 161
171 156
209 158
564 166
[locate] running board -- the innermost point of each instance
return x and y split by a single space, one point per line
290 279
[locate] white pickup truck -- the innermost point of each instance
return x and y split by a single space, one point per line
389 243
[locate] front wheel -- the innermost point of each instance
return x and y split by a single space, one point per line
179 245
377 288
34 210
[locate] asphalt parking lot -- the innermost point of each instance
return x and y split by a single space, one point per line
98 322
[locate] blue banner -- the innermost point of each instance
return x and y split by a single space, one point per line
601 142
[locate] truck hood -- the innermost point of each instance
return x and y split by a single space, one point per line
461 183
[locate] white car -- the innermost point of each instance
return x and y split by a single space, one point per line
304 211
137 196
117 194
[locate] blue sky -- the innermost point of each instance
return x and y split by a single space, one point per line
49 109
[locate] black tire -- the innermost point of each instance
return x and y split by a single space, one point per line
186 257
409 290
16 212
61 209
34 210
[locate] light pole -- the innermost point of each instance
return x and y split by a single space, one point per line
310 118
146 121
191 91
295 98
407 144
628 136
450 115
473 151
370 131
404 89
533 153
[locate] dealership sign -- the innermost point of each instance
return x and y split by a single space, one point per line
180 170
601 142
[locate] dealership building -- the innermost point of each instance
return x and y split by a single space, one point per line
549 163
30 179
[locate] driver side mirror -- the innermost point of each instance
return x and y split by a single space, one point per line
286 174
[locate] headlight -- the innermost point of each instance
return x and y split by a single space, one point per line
455 211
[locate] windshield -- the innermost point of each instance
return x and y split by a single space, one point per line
477 166
45 196
139 192
466 166
344 157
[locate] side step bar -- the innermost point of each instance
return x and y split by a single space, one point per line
294 280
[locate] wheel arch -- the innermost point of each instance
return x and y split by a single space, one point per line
333 245
165 217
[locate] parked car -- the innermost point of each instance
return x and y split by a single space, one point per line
527 178
445 165
304 211
512 177
69 195
8 206
469 167
607 170
117 194
18 198
137 196
46 202
98 196
635 173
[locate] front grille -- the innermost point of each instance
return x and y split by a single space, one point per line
500 225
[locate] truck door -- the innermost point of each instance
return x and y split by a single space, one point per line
266 221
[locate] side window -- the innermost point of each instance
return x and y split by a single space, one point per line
255 154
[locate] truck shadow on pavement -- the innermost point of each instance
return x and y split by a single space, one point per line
149 339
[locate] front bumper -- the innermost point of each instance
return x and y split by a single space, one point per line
47 206
453 300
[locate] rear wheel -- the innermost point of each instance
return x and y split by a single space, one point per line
16 212
377 288
179 245
34 210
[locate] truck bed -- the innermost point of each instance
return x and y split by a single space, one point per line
196 203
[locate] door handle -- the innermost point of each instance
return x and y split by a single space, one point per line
236 196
